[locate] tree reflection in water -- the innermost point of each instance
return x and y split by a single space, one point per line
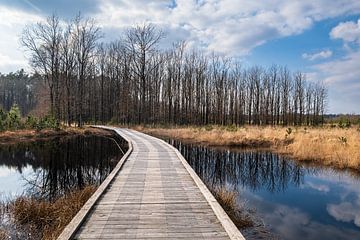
252 169
62 164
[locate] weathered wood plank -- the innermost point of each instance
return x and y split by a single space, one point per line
156 195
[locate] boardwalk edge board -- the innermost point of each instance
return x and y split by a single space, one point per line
224 220
70 230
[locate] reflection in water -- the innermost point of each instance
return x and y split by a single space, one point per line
295 201
51 168
252 169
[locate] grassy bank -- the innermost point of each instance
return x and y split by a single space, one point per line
228 200
39 218
338 147
42 219
3 235
28 135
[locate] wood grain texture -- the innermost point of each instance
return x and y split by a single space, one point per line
155 195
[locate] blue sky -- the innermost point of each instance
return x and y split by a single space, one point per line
318 37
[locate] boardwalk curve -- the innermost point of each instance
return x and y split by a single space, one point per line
152 193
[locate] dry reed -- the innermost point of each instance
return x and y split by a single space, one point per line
28 135
228 200
46 219
329 146
3 234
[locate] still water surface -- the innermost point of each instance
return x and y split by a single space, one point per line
294 201
51 168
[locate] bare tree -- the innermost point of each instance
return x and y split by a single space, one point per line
86 34
132 80
43 41
141 42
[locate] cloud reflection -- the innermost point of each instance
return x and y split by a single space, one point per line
318 187
295 201
345 211
293 223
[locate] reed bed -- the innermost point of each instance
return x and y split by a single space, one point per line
228 200
3 234
337 147
42 219
29 135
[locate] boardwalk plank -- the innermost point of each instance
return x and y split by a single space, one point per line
155 196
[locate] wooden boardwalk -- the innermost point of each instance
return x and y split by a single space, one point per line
152 194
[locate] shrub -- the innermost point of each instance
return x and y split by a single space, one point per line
47 122
113 121
344 123
13 119
31 122
343 140
231 128
209 127
288 132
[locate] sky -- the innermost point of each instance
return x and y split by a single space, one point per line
318 37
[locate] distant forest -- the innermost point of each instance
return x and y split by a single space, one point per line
133 80
21 89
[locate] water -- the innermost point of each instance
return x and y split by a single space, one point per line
49 169
294 201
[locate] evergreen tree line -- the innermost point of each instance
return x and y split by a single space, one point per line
19 88
133 80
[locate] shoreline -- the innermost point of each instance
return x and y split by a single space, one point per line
337 148
30 135
28 212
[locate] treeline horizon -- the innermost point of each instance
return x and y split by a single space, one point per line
131 80
19 88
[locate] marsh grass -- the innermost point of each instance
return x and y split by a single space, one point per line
43 219
228 200
337 147
28 135
3 234
3 211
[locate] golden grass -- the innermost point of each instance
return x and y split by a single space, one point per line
3 234
28 135
329 146
228 200
48 219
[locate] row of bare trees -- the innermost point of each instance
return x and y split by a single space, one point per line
132 80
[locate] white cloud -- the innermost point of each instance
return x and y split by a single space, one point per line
227 26
320 55
342 76
347 31
12 22
341 71
8 63
13 17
